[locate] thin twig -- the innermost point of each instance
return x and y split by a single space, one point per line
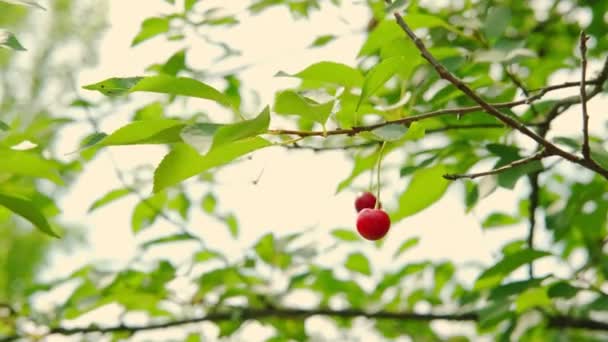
244 314
419 117
583 47
564 104
492 110
296 146
533 205
537 156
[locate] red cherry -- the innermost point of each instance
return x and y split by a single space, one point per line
366 200
373 224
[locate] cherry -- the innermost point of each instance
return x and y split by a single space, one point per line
366 200
373 224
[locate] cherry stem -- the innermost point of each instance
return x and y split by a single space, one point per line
378 180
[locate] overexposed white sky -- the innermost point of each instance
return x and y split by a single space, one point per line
297 188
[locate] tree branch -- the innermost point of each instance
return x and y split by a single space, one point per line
564 104
492 110
533 197
419 117
583 47
244 314
537 156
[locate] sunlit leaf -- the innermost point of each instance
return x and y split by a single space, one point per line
498 220
184 161
28 164
290 102
426 187
26 209
406 245
359 263
241 130
345 235
381 73
322 40
161 131
163 84
330 72
169 239
109 198
150 28
495 274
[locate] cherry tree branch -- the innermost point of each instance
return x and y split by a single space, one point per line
419 117
537 156
583 47
492 110
244 314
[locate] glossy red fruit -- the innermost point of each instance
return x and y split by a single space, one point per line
373 224
366 200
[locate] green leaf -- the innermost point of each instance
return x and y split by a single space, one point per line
184 86
29 3
152 111
499 219
345 235
419 20
188 4
209 203
169 239
184 161
114 86
513 288
28 164
322 40
150 28
381 73
147 210
9 41
109 197
181 204
384 33
330 72
206 255
26 209
163 84
495 274
562 289
359 263
290 102
509 178
426 187
92 139
233 225
4 126
406 245
532 298
159 131
200 135
392 132
241 130
497 21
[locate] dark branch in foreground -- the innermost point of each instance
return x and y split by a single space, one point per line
492 110
537 156
583 47
533 197
559 322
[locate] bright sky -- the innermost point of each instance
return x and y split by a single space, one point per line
297 189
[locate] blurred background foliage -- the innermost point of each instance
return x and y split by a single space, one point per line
504 50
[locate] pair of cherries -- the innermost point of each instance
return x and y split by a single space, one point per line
372 223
